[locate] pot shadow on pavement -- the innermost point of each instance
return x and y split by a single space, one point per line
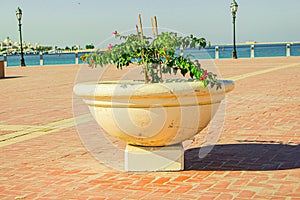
11 77
244 157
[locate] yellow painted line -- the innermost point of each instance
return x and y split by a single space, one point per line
18 134
33 132
22 138
16 127
247 75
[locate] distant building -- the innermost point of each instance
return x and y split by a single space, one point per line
250 42
9 46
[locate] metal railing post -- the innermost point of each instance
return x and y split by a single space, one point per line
252 51
217 52
41 59
288 50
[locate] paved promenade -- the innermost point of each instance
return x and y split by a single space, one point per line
256 156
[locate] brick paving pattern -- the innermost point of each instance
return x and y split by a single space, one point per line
257 155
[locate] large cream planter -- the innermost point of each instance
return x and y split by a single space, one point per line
156 114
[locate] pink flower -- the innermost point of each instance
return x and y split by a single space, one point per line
91 64
115 32
202 78
109 47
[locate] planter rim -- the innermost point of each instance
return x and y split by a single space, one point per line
125 88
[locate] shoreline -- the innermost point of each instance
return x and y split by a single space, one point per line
201 60
209 53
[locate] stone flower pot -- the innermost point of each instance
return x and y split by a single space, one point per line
152 117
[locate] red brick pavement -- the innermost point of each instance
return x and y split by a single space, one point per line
257 156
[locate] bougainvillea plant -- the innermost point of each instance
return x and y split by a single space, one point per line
160 54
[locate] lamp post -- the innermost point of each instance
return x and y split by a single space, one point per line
234 7
19 17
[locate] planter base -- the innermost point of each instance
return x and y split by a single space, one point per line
166 158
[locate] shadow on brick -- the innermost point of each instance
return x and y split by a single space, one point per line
11 77
243 157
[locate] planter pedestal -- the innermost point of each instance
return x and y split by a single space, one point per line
166 158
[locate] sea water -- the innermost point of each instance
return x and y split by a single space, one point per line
243 51
48 59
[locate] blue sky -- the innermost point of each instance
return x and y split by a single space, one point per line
69 22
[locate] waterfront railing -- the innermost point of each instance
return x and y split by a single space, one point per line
213 52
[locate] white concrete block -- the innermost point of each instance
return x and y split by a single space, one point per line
167 158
